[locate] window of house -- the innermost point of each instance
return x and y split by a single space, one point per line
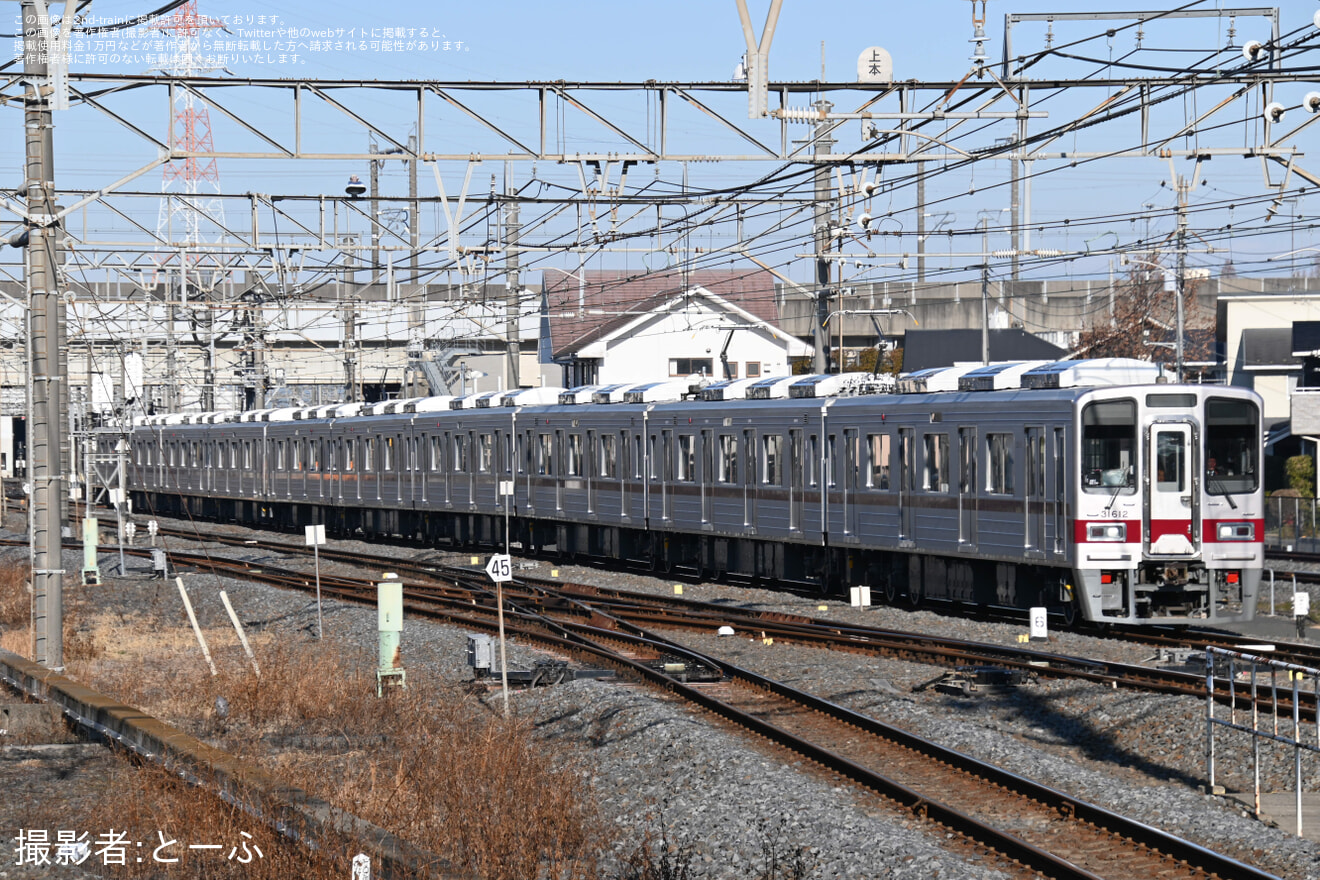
753 369
688 366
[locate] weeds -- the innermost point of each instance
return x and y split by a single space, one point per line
15 596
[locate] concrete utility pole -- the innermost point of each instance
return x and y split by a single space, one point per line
44 307
350 325
819 333
985 292
921 221
1184 187
512 337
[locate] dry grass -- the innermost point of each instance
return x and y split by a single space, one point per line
151 806
433 765
16 618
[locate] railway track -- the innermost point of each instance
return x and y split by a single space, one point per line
1021 823
553 596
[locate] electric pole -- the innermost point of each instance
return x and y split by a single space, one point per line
514 294
819 332
44 306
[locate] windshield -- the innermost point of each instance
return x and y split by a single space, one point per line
1232 446
1109 437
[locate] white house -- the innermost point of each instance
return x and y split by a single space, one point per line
656 327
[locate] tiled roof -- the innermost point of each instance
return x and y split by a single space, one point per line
581 313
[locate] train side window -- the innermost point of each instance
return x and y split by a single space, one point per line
687 458
728 459
831 461
813 459
247 455
437 454
772 465
485 452
1109 442
877 446
999 463
574 466
387 448
350 454
510 451
460 453
936 462
655 457
545 455
298 454
638 458
369 455
609 462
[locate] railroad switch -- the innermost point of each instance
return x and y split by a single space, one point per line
481 658
972 681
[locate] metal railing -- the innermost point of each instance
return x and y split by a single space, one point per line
1291 525
1241 670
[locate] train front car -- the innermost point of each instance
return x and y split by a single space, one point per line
1169 524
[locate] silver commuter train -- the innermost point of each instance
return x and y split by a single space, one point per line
1121 503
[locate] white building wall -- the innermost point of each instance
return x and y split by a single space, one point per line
1267 312
644 353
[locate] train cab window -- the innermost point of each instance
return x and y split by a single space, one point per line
999 464
727 465
545 455
687 458
1109 442
877 456
609 456
485 453
772 464
1232 435
936 473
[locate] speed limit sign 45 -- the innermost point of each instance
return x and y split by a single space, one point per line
500 568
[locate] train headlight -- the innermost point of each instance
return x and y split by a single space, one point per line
1113 532
1237 531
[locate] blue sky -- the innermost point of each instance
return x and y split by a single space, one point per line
594 40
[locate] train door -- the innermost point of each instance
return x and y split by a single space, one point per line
749 478
559 469
626 472
707 473
967 504
906 473
666 472
1034 507
1171 504
591 465
527 461
851 444
796 482
1061 486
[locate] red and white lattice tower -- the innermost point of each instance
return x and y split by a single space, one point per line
191 213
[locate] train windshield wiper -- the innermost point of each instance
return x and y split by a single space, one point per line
1122 484
1218 488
